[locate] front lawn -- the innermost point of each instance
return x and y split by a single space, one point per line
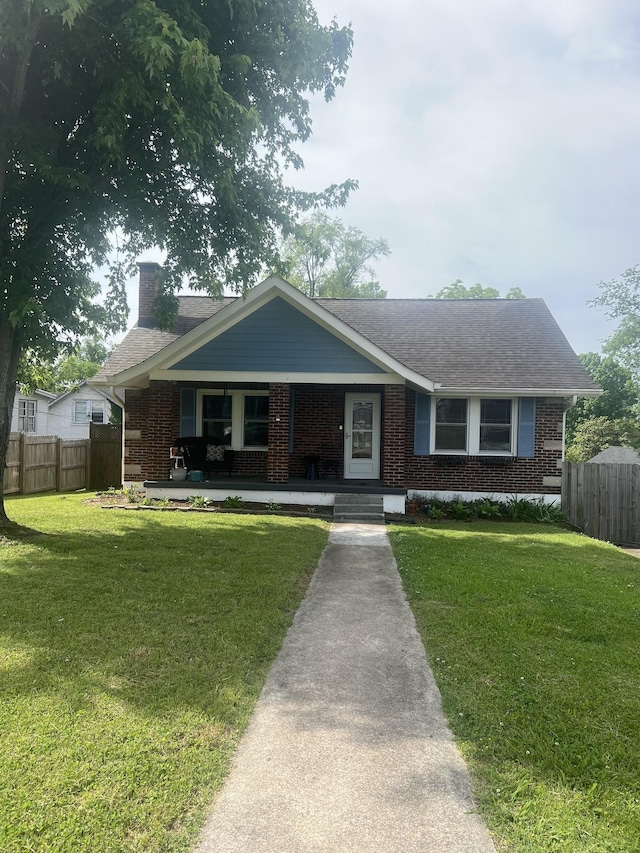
133 646
533 634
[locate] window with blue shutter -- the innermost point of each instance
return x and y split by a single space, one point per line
422 422
527 427
187 411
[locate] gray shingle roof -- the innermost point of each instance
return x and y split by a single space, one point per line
464 344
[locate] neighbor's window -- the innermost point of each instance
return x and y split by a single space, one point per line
27 416
85 411
451 424
495 426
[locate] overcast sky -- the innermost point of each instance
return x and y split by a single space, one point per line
494 141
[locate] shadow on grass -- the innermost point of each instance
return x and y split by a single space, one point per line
154 612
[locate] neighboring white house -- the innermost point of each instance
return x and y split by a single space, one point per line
31 412
67 415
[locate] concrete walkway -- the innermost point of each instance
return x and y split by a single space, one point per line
348 750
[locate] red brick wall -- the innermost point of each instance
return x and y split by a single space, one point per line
393 435
318 416
147 289
278 453
492 474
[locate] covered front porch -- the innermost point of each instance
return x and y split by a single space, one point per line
297 490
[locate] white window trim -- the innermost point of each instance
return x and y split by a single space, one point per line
28 415
473 426
237 414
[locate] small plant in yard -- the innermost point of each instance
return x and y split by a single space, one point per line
199 501
273 505
232 502
133 493
163 502
486 508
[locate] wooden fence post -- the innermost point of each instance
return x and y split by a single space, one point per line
59 465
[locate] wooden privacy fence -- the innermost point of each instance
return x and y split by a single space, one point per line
603 500
43 463
106 456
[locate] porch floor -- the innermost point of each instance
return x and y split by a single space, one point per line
297 490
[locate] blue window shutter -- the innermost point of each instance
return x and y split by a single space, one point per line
187 411
421 430
292 397
527 427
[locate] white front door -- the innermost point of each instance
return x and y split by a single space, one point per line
362 436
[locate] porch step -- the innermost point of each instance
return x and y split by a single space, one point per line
365 509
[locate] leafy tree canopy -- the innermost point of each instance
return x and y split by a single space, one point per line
622 299
67 371
620 397
596 434
168 122
458 290
324 257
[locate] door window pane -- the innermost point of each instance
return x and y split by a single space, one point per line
362 429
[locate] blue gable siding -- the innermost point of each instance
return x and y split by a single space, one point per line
278 337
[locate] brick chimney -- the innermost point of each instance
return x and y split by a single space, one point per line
147 290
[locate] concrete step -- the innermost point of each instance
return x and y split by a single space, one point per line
364 509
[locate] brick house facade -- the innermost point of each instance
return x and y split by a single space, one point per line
486 420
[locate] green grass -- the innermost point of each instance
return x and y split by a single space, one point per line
534 638
133 646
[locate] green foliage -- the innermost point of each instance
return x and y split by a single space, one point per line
273 505
232 502
536 511
134 646
167 123
458 290
199 501
324 257
621 298
619 400
133 493
65 372
596 434
532 634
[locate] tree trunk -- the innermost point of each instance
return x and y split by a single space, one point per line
9 358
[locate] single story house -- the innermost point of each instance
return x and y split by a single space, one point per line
66 415
397 396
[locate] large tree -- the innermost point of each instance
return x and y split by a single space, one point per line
619 400
168 122
621 298
325 257
458 290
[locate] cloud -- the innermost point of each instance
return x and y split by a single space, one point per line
494 142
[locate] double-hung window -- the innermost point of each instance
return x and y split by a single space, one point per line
88 411
473 425
237 419
27 416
